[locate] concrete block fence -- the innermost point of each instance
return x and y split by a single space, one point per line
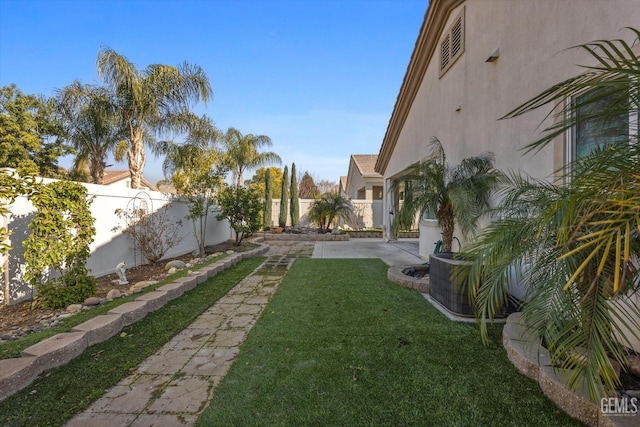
18 373
109 247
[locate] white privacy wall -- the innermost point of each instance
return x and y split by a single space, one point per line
366 214
109 247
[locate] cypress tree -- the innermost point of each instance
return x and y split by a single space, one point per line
284 199
267 200
295 202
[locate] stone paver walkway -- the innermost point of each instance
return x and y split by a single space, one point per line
174 385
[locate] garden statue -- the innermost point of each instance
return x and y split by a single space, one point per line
120 269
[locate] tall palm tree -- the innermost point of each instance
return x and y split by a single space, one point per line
577 243
243 152
454 193
153 101
196 170
93 124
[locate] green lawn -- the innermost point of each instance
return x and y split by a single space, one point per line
56 396
340 345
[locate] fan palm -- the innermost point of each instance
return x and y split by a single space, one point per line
93 124
454 193
243 152
153 101
329 207
576 244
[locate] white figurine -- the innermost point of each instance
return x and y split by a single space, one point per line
120 269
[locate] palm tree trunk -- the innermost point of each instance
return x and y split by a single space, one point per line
446 221
136 157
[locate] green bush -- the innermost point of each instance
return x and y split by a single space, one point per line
73 288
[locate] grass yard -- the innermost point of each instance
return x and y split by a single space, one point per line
341 345
56 396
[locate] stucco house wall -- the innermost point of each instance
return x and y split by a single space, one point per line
363 182
462 107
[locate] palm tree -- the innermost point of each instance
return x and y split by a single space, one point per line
153 101
93 124
454 193
577 243
196 170
243 152
329 207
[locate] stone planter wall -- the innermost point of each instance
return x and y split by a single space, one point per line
17 373
304 237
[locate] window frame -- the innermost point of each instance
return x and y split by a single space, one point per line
571 146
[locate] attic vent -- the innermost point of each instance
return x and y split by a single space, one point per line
445 53
452 44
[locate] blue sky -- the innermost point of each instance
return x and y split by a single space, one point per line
320 77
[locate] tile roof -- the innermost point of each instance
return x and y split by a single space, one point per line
366 164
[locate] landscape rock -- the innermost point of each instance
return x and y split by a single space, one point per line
172 270
74 308
176 263
634 365
633 393
92 301
141 285
230 252
113 294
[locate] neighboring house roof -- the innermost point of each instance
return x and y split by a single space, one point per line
366 164
361 174
433 25
113 176
167 187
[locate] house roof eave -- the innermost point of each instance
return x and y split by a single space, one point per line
425 46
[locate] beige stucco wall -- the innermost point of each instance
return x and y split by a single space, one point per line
360 186
531 37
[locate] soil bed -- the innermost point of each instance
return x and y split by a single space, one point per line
24 315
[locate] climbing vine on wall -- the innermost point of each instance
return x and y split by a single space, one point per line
57 249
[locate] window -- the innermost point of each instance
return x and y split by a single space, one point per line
594 129
452 44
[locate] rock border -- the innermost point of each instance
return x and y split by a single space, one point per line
396 275
307 237
534 361
18 373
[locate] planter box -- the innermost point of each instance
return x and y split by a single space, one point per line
451 296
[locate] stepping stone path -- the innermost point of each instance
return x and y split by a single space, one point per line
172 387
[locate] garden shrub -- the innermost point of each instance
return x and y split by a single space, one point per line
57 249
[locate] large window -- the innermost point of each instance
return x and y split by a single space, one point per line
601 119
